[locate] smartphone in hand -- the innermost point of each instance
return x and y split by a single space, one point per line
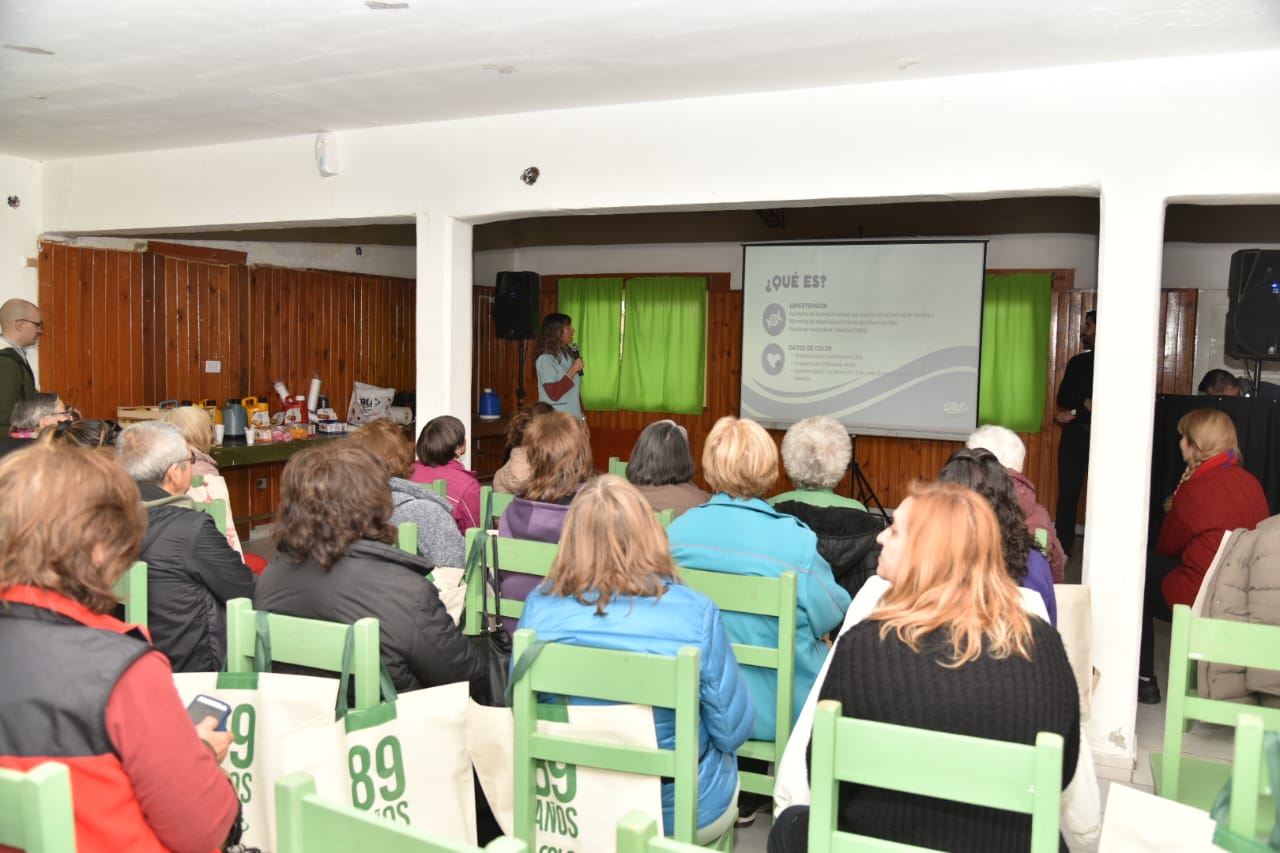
206 706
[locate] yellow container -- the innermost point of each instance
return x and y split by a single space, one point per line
211 406
256 411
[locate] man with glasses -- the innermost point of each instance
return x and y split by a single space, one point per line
32 415
20 328
191 570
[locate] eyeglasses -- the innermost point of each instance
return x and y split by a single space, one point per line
39 324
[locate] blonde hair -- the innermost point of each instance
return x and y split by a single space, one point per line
1208 432
559 457
739 458
73 523
612 545
195 425
952 576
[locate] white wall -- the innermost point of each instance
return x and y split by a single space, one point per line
1136 135
20 233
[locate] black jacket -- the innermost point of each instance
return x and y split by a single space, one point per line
846 539
17 383
191 574
421 645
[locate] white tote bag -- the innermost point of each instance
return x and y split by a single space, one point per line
577 808
1138 822
265 707
405 760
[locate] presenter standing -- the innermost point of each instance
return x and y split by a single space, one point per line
559 366
1075 400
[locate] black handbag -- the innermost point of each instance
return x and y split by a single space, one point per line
493 642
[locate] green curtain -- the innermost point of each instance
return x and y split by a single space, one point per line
1015 350
664 345
595 304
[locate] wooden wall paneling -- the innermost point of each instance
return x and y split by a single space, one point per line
155 309
1178 342
68 350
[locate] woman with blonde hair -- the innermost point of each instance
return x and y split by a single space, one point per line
949 647
196 428
1214 495
736 532
84 689
613 585
515 467
559 463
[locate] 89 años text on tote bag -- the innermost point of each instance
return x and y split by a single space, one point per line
405 760
265 707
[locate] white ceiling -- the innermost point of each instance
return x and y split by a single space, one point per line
84 77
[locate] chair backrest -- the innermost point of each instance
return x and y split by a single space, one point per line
639 833
313 643
492 506
995 774
774 597
1248 776
665 517
407 537
606 675
37 815
1196 639
440 487
132 589
305 823
217 508
516 557
617 466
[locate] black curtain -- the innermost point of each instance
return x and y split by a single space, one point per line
1257 427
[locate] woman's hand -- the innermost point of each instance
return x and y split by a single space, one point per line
218 741
575 368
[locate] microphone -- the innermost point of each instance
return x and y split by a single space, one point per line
573 351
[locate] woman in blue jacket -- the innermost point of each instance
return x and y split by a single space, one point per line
613 586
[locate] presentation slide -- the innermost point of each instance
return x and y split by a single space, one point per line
884 337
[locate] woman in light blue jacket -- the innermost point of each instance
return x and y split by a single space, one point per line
613 586
738 533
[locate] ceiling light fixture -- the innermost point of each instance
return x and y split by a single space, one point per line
381 5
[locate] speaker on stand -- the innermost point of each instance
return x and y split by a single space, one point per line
1253 308
515 314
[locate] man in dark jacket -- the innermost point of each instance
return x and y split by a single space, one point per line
21 326
191 570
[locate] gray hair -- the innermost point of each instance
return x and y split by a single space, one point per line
149 449
1003 443
27 413
816 452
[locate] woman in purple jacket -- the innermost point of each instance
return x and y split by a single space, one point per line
981 471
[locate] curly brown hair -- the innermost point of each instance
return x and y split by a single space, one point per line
330 496
559 457
72 523
388 442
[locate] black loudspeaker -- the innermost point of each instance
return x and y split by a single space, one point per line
1253 307
515 305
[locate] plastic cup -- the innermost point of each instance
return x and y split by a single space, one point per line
249 435
219 432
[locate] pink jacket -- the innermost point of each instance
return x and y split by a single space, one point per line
1037 517
463 489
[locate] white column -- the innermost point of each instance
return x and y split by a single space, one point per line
443 320
1129 256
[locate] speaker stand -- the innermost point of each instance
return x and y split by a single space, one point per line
520 379
859 486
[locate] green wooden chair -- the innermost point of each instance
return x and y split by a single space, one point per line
1250 780
516 557
407 537
776 598
305 823
132 590
992 773
607 675
306 642
1196 781
440 487
617 466
492 505
640 833
37 815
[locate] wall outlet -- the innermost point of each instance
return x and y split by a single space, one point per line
262 484
213 367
